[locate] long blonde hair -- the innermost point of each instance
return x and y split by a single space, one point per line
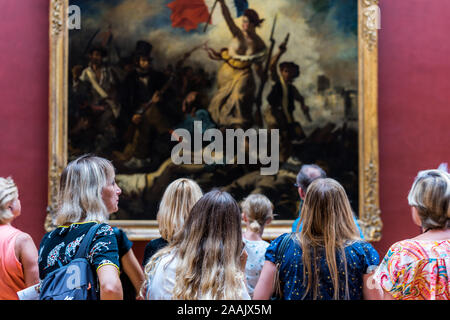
327 224
8 193
80 190
176 203
208 251
258 209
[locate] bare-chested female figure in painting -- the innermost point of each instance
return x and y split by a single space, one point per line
231 106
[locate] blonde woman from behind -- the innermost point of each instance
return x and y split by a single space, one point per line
257 212
176 203
18 254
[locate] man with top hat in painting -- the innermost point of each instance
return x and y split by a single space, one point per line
142 121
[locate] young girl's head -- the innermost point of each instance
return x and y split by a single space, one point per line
9 200
257 211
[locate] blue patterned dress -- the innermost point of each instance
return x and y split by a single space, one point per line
360 256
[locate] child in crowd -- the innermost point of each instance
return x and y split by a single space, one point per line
257 212
18 254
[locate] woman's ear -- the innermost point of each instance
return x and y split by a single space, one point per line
301 193
244 216
268 221
416 217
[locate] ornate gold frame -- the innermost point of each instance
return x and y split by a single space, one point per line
370 220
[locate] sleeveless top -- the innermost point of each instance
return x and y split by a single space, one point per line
11 273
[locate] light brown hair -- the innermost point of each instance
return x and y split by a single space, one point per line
208 251
328 226
258 210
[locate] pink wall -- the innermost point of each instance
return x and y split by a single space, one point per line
414 68
24 105
414 113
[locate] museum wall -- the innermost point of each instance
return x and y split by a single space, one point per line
414 91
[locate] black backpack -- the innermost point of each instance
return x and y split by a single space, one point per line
74 281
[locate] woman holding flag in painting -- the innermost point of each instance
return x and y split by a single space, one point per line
231 106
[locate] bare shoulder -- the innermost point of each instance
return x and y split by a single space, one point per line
23 243
23 237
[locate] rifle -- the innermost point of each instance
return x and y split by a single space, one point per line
168 83
161 92
258 99
210 16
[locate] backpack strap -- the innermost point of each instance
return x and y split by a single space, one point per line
84 245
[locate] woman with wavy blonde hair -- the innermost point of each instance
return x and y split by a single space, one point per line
206 259
88 194
176 203
327 259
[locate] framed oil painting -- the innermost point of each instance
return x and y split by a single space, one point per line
234 94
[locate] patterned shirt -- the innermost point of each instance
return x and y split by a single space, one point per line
59 246
416 270
360 257
255 261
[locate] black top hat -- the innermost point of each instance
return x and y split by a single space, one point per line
143 48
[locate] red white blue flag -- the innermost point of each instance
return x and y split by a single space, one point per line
188 14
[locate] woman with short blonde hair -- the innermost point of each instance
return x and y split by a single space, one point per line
88 194
176 203
8 193
417 268
18 253
80 190
429 195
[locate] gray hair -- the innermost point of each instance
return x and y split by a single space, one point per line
8 193
430 195
307 174
80 190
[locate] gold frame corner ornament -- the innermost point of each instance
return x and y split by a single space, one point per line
369 212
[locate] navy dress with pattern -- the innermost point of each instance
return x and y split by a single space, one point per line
360 256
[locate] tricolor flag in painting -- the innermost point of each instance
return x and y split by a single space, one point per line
188 14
